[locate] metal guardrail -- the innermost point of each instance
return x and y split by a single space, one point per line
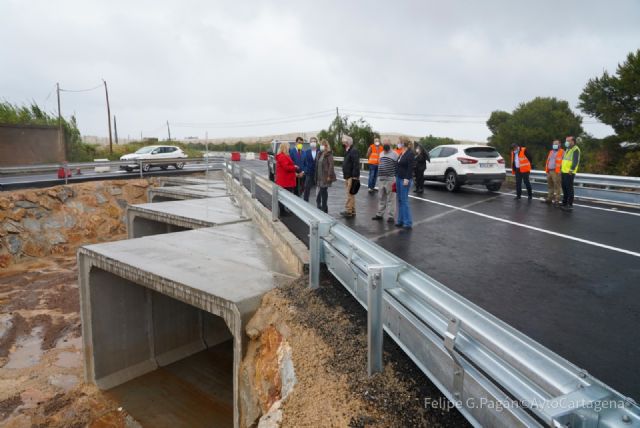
492 373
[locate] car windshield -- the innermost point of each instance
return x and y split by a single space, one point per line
482 152
145 150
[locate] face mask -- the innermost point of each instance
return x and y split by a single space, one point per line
417 150
555 147
377 143
567 144
399 146
313 145
323 148
299 146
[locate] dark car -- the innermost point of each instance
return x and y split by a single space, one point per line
273 149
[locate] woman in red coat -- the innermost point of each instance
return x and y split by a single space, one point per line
286 172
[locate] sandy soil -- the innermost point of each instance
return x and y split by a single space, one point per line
40 351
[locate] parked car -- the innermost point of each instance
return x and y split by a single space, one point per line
155 153
273 150
460 164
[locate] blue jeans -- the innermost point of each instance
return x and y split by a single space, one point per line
373 175
404 213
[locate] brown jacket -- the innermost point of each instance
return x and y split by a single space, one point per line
325 170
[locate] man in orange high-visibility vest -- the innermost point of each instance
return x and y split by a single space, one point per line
552 168
373 155
521 167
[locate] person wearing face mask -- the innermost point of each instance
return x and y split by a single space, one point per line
569 169
325 174
373 156
351 175
387 177
521 168
552 168
309 167
404 177
296 156
422 157
398 148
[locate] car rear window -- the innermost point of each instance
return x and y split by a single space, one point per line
481 152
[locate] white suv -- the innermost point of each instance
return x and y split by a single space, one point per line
154 153
459 164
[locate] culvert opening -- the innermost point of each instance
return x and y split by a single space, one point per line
165 362
146 227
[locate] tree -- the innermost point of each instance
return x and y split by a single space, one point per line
359 130
534 124
615 100
429 142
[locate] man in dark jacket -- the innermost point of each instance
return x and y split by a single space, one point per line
296 156
309 167
421 165
351 174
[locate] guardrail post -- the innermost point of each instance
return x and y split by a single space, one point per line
374 320
275 207
317 230
240 173
66 173
252 185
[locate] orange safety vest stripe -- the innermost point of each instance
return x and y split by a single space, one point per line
374 157
525 165
559 155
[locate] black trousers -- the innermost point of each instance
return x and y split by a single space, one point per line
321 199
419 179
309 182
567 188
520 177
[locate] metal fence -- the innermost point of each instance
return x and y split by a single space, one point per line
493 374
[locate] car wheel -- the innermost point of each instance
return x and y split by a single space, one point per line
451 181
128 169
179 165
494 187
164 167
146 167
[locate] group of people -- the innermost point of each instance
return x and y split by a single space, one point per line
298 171
561 167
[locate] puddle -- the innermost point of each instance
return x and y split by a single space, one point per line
64 382
27 352
68 360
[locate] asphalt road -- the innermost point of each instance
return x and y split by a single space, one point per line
571 281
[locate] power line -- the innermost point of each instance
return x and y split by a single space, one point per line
82 90
260 122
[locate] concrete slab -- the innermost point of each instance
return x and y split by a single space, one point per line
214 180
151 301
174 216
213 189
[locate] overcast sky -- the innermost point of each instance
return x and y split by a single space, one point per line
203 64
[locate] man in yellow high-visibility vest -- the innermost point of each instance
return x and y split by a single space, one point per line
569 169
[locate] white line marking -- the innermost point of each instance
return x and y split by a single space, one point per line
526 226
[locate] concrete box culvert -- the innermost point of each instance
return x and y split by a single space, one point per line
149 302
195 191
175 216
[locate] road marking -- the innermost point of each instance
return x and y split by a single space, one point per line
526 226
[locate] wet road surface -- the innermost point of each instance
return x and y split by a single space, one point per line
571 281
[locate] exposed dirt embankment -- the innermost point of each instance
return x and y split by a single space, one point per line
56 220
324 331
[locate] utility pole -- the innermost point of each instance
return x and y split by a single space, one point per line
115 127
106 92
60 124
168 130
339 126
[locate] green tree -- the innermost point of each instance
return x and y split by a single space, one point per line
615 100
429 142
359 130
534 124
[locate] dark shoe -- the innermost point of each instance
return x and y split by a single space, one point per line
398 225
421 191
346 214
376 217
530 197
370 190
391 220
566 208
407 227
517 197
